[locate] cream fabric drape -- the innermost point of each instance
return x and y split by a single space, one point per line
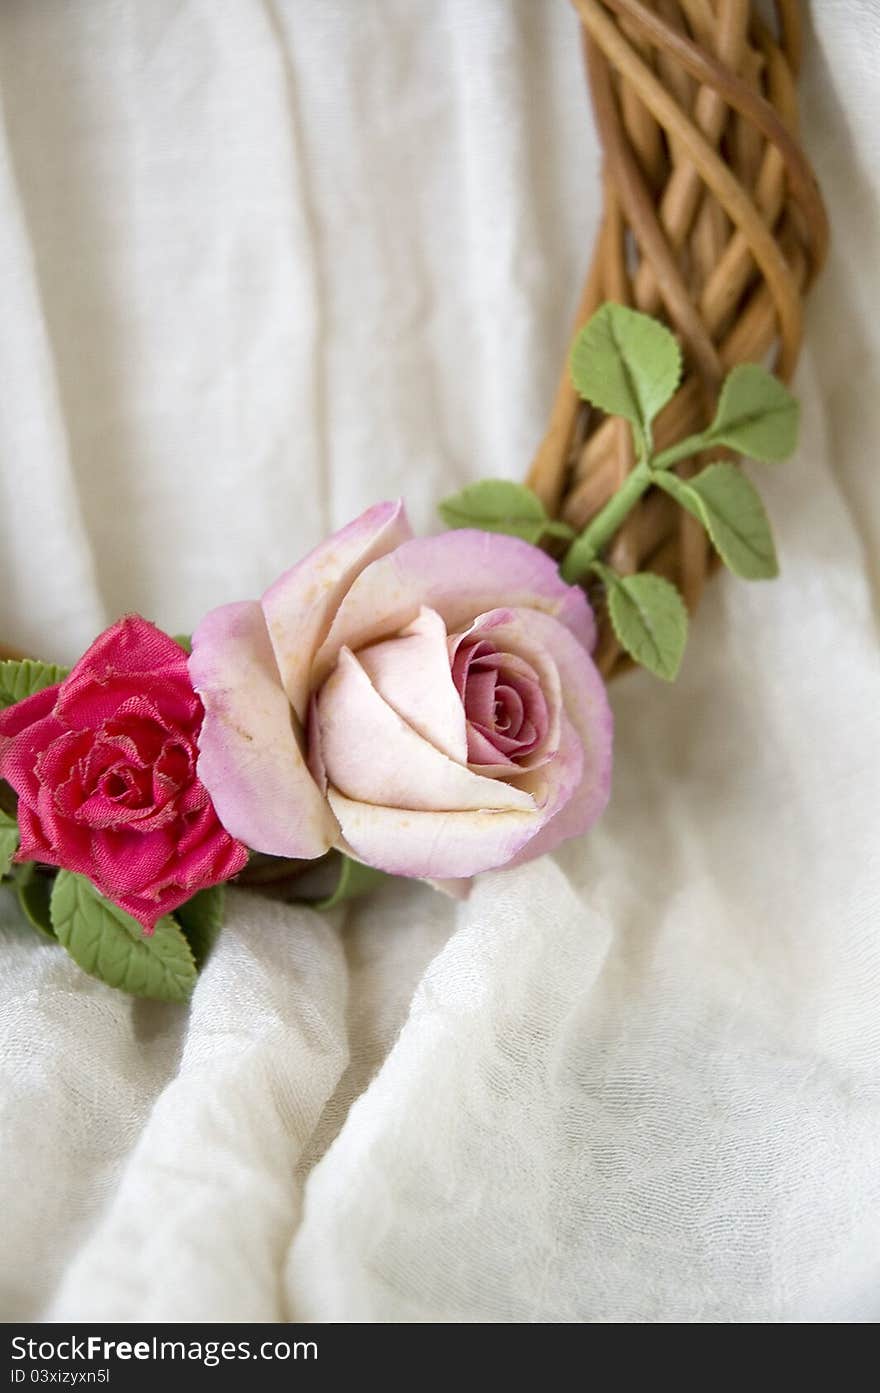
260 265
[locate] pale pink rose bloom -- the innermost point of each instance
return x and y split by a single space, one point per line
427 705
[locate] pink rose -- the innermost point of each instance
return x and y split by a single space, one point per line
104 764
429 706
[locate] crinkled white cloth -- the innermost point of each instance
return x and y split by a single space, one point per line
260 264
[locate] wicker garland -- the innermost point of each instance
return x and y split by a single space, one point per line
712 220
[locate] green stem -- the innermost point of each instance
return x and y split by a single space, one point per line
598 533
691 445
606 574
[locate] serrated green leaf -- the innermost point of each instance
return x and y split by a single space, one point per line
627 364
21 679
34 891
355 879
730 509
185 642
110 945
649 618
736 521
757 415
500 505
201 919
8 841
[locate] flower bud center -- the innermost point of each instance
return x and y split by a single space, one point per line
504 705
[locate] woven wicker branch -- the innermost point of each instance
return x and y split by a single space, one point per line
712 220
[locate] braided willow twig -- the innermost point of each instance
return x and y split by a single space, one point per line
712 220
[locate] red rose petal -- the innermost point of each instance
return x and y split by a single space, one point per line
105 768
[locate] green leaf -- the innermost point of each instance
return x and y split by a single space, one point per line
756 415
185 642
34 893
355 879
499 505
21 679
107 943
201 919
730 509
8 841
649 618
627 364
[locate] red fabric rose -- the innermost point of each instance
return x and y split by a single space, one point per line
104 764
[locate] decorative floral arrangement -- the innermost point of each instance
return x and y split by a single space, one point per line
419 707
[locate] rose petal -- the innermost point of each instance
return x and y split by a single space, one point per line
511 711
586 702
33 844
22 714
132 659
313 745
148 910
130 645
301 604
18 755
212 860
455 574
519 654
137 742
55 763
129 861
431 846
463 655
39 838
479 696
249 759
554 785
412 673
486 755
372 755
506 745
96 699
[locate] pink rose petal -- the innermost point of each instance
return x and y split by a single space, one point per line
21 714
592 724
554 787
517 652
373 756
412 673
249 758
457 574
300 606
432 846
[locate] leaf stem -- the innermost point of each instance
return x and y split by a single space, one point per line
606 574
691 445
599 532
